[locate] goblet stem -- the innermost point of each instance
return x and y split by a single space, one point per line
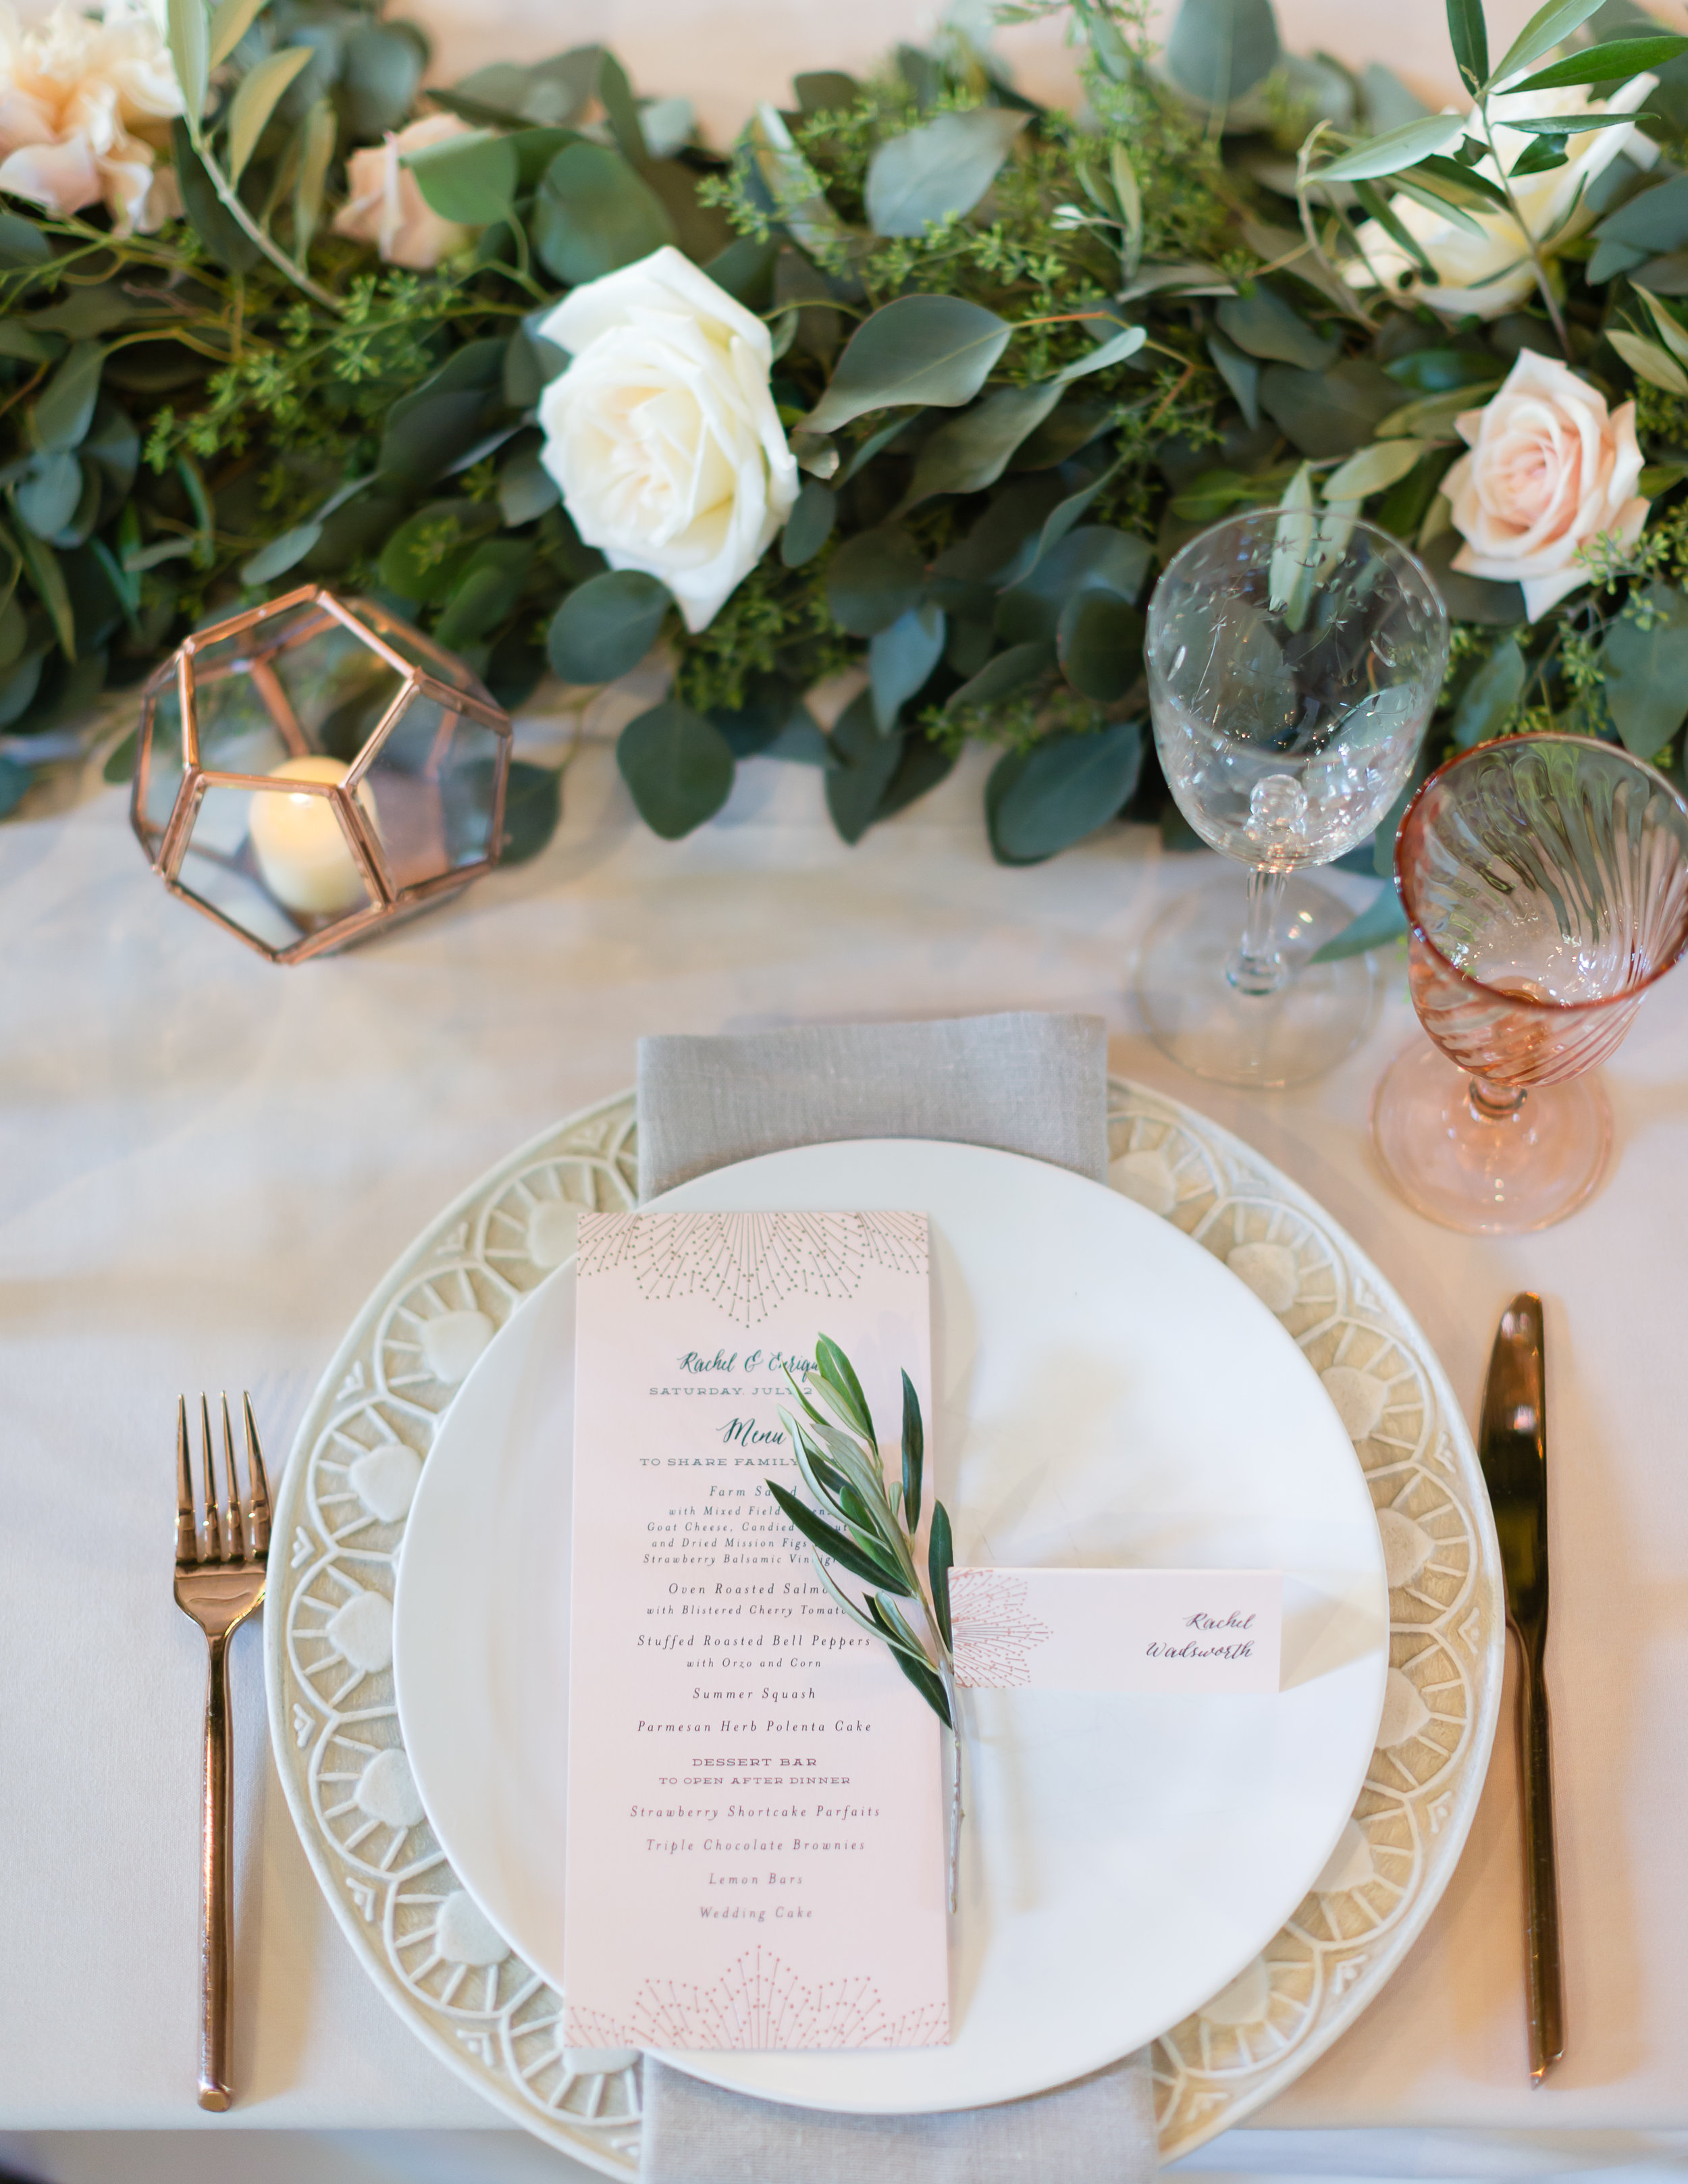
1494 1103
1256 965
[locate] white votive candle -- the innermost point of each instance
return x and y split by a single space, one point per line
301 846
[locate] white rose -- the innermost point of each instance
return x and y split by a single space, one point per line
662 433
1550 470
1490 272
387 207
84 108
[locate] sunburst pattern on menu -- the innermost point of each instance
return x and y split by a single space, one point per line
760 2002
749 1264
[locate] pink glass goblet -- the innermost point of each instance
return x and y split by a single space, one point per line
1545 879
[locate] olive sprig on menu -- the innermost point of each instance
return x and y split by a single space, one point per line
870 1529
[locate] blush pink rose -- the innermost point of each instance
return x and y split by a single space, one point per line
387 208
1550 469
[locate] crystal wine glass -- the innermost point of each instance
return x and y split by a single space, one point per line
1545 879
1294 657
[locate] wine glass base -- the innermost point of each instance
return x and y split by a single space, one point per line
1193 1013
1491 1177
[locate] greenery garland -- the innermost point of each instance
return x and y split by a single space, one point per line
1020 356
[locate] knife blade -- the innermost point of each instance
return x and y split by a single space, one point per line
1511 1445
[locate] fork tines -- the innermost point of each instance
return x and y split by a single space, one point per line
232 1532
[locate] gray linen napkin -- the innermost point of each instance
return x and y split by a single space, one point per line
1026 1083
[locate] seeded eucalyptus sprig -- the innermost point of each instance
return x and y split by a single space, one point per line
870 1528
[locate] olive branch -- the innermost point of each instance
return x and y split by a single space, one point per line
873 1535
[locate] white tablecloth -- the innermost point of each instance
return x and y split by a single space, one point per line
206 1162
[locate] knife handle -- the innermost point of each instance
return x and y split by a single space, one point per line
1544 1966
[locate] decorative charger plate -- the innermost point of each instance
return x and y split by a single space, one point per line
340 1524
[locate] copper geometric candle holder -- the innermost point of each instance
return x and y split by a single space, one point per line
310 771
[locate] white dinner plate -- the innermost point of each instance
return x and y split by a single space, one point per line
1106 1392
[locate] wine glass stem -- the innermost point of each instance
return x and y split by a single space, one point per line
1494 1103
1257 966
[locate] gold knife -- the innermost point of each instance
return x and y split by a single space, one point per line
1513 1446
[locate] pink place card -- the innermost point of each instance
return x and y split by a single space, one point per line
1116 1630
755 1851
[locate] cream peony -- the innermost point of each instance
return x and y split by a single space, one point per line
387 207
1549 471
662 432
1491 273
84 108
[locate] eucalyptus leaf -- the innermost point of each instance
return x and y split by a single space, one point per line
605 626
866 764
678 768
487 593
874 579
825 91
900 660
1384 920
1265 326
917 349
533 804
424 438
1117 349
424 556
1490 698
49 493
46 581
1240 373
810 524
939 169
1099 644
21 243
256 99
1328 413
971 451
1396 149
1064 787
1653 222
594 214
64 408
525 489
471 179
1068 513
1646 660
1091 557
1218 49
616 96
1003 674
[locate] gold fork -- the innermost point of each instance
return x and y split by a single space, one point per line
219 1582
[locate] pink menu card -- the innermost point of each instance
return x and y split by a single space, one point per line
755 1830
